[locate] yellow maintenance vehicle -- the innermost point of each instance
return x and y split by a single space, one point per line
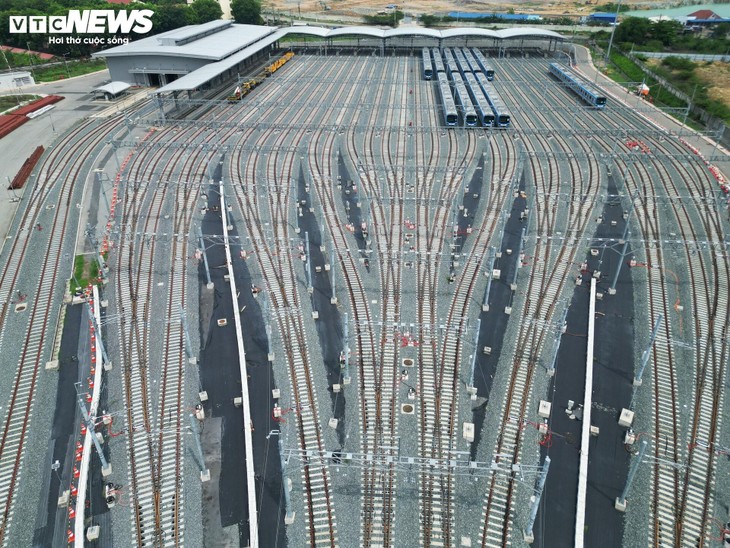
246 87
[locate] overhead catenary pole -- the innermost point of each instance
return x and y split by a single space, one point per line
186 336
308 266
647 351
620 503
558 338
474 356
346 352
204 472
625 239
528 534
518 262
490 271
209 283
90 426
97 330
333 299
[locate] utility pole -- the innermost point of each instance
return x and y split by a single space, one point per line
529 537
188 347
106 468
204 472
620 503
613 31
647 351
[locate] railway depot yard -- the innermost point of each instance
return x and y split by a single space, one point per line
354 306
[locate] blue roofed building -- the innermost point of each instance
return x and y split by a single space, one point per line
602 17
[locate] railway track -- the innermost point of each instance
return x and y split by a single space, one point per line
379 156
154 436
683 495
274 255
548 277
682 492
60 170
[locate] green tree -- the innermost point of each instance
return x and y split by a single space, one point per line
202 11
666 31
169 17
633 30
247 12
428 20
721 31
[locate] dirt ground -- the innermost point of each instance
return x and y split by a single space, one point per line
715 76
361 7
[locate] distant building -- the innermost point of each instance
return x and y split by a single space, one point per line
602 17
13 81
706 15
704 18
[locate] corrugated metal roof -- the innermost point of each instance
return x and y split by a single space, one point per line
205 74
114 87
215 46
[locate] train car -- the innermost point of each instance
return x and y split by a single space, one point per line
463 101
481 105
471 61
427 65
461 61
482 62
502 116
585 90
449 60
438 62
451 116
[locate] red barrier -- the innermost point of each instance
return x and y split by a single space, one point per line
36 105
10 123
28 166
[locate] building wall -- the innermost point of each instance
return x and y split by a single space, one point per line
15 81
120 68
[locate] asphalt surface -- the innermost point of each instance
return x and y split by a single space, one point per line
494 322
613 375
220 377
63 430
44 130
329 324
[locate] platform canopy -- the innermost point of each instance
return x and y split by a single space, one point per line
113 88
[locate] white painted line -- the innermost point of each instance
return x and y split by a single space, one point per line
86 457
253 521
580 512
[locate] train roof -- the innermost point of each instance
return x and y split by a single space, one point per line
577 78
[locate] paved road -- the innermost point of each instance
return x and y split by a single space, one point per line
44 130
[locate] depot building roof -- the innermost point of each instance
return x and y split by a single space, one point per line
225 44
217 40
